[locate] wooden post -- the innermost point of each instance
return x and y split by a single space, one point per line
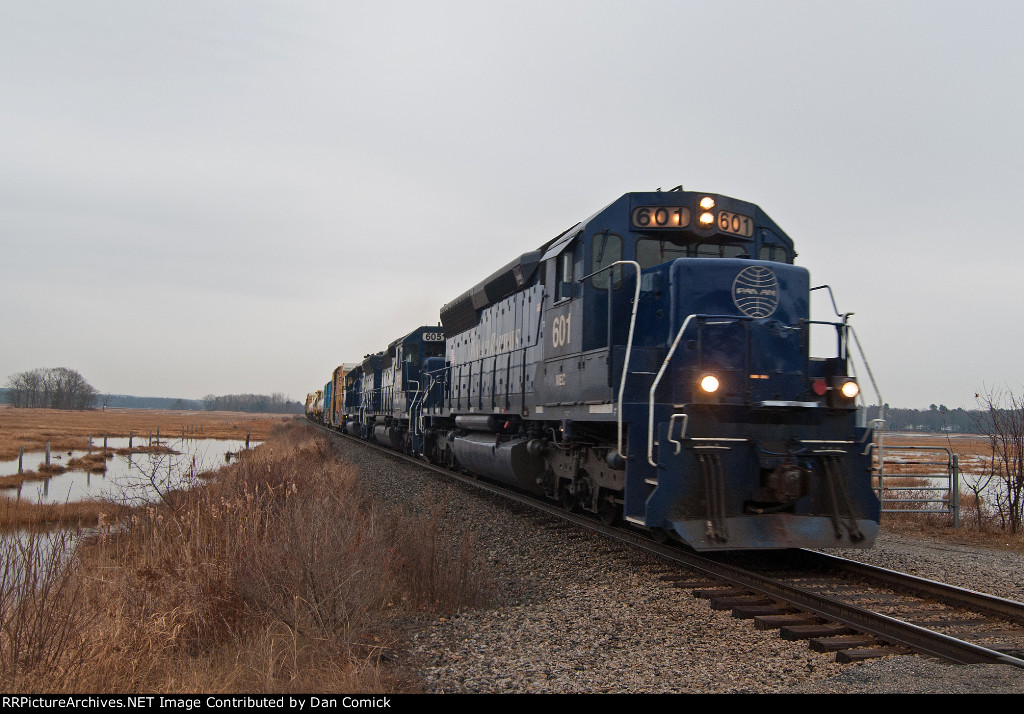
247 440
90 444
21 458
47 454
129 440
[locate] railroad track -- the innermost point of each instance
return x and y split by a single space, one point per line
838 605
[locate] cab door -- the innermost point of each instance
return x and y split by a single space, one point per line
562 328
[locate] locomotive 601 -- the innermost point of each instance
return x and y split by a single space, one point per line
652 363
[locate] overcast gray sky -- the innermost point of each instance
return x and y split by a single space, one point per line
223 197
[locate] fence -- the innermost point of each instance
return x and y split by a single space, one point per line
933 489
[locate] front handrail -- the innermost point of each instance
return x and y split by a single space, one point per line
664 367
849 329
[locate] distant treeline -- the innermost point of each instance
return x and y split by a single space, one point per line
935 418
66 389
275 403
125 401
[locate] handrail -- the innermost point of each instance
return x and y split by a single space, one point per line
664 366
629 339
412 405
682 430
426 394
849 328
871 376
844 316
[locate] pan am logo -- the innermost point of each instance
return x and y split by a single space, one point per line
756 291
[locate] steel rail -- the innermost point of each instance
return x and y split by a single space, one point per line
883 627
949 594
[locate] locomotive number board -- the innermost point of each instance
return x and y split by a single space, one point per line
680 217
661 217
735 223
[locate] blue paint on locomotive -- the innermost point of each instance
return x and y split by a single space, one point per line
529 388
326 413
369 394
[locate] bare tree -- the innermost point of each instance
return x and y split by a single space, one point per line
156 473
1004 424
54 388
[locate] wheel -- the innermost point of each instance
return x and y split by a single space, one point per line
567 498
660 535
608 510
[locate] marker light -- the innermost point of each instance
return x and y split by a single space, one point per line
707 219
819 387
707 203
850 390
709 383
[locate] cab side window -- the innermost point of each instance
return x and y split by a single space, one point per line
606 249
564 288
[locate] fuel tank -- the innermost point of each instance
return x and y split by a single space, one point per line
506 461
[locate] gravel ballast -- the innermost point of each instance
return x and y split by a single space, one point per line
575 613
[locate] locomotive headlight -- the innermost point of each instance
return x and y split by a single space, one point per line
850 389
707 203
709 383
707 219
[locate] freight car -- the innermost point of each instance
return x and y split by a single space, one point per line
650 364
315 405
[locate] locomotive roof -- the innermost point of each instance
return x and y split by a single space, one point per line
461 313
413 334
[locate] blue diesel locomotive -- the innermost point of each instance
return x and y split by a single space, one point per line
650 364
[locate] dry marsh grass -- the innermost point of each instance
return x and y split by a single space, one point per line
276 576
915 455
93 463
70 430
16 515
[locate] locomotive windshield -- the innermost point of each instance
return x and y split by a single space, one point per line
777 253
655 251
